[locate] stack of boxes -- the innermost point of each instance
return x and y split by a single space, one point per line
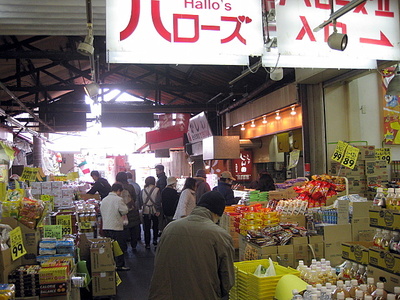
63 195
227 222
367 171
26 280
103 268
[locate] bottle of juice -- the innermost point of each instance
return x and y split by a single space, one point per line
371 287
397 292
396 199
378 238
340 288
380 287
385 239
378 197
394 242
390 198
354 287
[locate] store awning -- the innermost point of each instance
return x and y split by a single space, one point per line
165 139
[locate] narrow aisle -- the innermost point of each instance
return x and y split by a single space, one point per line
136 282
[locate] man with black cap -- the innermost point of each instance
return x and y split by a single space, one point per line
195 255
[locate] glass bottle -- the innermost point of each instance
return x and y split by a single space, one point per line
379 199
396 204
367 297
353 271
394 242
340 296
360 274
378 238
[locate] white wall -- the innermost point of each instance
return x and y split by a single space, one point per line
354 113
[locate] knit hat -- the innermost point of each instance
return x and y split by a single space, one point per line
213 201
171 180
201 173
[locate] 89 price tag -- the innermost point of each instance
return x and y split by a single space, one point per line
17 244
350 157
338 154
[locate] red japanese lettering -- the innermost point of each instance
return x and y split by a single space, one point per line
210 27
384 9
156 16
306 2
338 25
342 2
361 8
133 22
305 30
193 39
236 34
320 5
382 41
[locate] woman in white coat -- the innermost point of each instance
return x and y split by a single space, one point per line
187 199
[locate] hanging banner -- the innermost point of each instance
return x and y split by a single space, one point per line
199 128
243 167
391 110
183 32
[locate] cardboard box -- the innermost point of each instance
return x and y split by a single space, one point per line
53 275
366 152
384 218
390 280
377 179
384 260
104 284
300 249
360 230
361 209
299 219
7 265
376 168
356 251
54 289
102 256
285 256
316 247
334 236
277 194
336 168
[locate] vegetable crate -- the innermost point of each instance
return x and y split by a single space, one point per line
251 287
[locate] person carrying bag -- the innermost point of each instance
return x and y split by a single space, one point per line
151 210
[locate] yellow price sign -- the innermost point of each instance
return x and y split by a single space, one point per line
29 174
350 157
66 222
383 154
17 243
85 225
338 154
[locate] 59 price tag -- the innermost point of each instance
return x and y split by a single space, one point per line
350 157
17 244
338 154
383 154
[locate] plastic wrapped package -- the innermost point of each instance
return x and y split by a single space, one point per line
31 211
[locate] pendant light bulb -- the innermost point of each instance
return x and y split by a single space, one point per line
252 124
278 116
242 128
293 112
264 121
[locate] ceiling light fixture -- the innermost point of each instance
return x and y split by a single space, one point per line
337 41
293 112
86 47
278 116
92 89
393 88
276 74
264 121
242 128
253 124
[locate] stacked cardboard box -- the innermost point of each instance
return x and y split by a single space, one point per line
103 268
227 222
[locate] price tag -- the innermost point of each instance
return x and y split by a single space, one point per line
294 158
66 222
339 151
85 225
118 280
29 174
17 244
383 154
49 201
52 231
350 157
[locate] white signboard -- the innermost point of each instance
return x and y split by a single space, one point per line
199 128
372 28
184 31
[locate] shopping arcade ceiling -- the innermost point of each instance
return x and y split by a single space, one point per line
39 65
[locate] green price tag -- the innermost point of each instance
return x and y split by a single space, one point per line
52 231
66 222
85 225
383 154
339 151
17 244
350 157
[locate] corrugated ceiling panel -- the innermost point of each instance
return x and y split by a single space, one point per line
50 17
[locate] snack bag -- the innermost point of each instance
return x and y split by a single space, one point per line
30 213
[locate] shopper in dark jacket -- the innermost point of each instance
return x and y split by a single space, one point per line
100 185
265 182
132 229
162 178
225 187
169 199
202 186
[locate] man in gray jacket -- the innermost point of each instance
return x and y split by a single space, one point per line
195 255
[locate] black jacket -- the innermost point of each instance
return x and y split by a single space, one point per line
101 186
161 181
226 190
169 201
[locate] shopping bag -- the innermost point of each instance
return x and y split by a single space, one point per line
116 249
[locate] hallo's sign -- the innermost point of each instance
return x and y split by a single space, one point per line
184 31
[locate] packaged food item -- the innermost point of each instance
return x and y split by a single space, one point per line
31 211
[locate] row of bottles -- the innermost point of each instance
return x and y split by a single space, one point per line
387 240
346 291
321 272
391 200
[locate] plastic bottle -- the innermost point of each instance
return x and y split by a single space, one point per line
363 287
347 270
391 297
397 292
378 295
340 296
367 297
394 242
390 198
347 285
379 286
353 271
296 295
340 276
360 275
354 287
385 239
396 199
313 279
378 238
359 295
307 293
340 288
371 287
379 198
